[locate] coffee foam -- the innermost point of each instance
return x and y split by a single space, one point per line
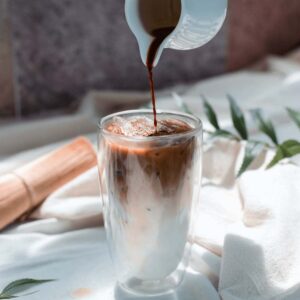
143 127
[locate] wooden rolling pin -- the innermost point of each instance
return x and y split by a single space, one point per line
28 186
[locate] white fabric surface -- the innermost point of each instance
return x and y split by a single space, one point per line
261 256
252 222
253 225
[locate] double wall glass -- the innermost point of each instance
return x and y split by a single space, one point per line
150 189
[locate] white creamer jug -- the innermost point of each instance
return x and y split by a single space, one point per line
194 22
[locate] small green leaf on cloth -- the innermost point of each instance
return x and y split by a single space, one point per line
238 118
210 114
20 286
295 115
265 126
287 149
253 149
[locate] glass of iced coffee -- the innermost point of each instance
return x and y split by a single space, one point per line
150 179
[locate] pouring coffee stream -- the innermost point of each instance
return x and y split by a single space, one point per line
175 24
159 36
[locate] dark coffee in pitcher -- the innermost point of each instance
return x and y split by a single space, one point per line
159 18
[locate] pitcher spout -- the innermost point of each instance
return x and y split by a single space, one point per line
152 24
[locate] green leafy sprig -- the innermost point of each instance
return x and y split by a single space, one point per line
265 126
213 119
238 118
287 149
295 115
253 148
19 286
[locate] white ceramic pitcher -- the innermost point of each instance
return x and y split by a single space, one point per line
199 22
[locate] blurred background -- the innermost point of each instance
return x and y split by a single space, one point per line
53 52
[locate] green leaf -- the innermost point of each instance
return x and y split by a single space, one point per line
225 134
181 104
238 118
253 149
265 126
290 143
2 296
288 149
294 150
186 109
21 285
210 114
291 148
279 155
295 115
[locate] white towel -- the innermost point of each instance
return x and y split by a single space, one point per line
253 223
261 257
247 233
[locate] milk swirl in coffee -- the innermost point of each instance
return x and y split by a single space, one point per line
152 184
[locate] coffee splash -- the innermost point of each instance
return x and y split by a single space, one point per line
159 18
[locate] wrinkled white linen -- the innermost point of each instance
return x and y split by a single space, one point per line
253 225
256 218
261 256
251 222
79 261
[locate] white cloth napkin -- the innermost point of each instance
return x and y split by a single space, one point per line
261 255
253 224
79 261
247 238
60 240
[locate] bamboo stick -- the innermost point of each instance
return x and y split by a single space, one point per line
28 186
